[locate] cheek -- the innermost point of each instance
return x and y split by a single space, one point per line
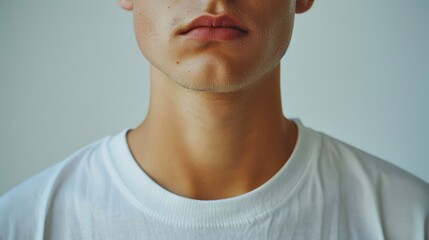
155 23
148 18
144 31
281 33
277 29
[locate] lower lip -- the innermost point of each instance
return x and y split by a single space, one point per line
214 34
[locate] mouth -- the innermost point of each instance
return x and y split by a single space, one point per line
220 28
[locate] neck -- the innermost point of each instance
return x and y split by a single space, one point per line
205 145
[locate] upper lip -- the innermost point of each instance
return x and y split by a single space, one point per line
225 21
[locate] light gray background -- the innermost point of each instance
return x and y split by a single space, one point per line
71 73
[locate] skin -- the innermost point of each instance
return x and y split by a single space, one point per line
215 127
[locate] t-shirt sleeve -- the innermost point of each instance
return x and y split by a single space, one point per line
23 208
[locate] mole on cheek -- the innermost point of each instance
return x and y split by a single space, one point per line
177 62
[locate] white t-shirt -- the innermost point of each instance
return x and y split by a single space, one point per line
326 190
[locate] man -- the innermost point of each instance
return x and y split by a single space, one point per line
215 158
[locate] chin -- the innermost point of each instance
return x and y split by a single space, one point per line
213 85
214 76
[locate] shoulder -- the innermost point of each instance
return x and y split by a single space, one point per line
366 171
374 194
27 204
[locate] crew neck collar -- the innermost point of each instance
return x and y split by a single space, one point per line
166 206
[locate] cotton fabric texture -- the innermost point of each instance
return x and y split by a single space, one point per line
326 190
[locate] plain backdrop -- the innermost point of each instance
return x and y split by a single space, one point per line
71 73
